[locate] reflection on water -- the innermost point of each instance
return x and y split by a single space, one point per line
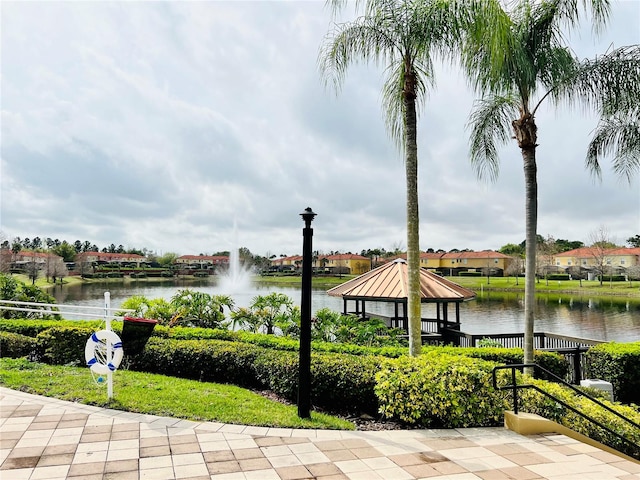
491 312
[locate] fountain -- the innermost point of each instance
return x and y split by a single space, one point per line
236 280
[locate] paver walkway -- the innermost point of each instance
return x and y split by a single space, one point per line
48 439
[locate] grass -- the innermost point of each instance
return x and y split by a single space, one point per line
507 284
160 395
588 287
294 280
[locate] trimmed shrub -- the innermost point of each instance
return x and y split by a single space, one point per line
618 363
551 361
31 328
338 382
440 390
14 345
613 278
558 276
344 382
204 360
533 401
63 345
279 372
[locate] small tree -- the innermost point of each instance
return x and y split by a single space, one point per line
515 268
600 245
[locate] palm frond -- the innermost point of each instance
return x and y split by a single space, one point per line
609 83
618 136
402 35
490 123
488 42
392 100
361 40
569 12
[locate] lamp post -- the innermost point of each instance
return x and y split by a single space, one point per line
304 379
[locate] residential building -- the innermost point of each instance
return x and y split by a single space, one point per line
85 258
202 261
24 258
345 263
286 264
485 261
596 260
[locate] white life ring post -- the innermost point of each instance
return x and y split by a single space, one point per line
96 360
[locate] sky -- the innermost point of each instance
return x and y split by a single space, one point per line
198 127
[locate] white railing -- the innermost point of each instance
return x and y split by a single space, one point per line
63 309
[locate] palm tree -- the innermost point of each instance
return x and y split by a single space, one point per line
617 134
403 35
527 63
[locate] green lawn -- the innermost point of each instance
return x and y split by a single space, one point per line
591 288
160 395
588 288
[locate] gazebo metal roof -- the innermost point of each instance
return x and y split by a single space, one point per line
389 283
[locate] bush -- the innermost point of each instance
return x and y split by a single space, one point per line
533 401
204 360
558 276
14 345
338 382
551 361
440 390
469 274
31 328
344 382
15 290
613 278
63 345
618 363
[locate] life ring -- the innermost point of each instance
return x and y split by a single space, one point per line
98 339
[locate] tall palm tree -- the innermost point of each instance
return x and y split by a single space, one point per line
528 63
402 35
617 135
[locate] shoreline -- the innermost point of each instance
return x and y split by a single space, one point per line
592 288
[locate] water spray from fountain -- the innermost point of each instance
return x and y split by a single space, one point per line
237 278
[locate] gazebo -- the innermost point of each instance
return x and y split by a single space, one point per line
389 283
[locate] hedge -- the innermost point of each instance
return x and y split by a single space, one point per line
618 363
444 387
533 401
550 361
338 381
15 345
439 390
558 276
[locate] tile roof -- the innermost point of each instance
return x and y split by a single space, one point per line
591 251
390 282
481 254
203 257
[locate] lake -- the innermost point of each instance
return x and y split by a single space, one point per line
491 312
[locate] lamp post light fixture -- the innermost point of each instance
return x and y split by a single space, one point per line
304 379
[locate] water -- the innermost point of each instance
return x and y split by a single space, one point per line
491 312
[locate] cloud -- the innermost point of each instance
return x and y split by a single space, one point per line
160 125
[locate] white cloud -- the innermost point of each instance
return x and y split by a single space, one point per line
158 124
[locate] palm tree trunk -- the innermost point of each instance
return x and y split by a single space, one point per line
413 225
526 134
531 220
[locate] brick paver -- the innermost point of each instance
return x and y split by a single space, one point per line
43 438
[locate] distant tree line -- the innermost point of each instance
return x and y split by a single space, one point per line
68 250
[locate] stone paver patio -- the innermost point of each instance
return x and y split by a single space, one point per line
48 439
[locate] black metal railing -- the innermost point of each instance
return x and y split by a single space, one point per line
634 450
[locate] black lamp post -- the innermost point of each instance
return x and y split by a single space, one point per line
304 379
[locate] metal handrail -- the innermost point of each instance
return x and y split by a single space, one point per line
515 387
